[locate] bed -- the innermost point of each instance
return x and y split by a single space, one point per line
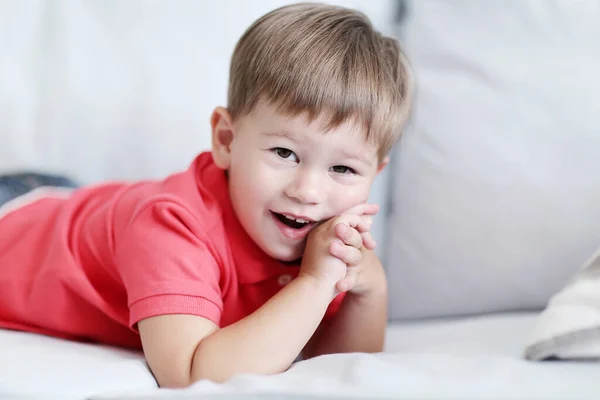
478 357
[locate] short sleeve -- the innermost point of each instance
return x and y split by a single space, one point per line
168 265
334 306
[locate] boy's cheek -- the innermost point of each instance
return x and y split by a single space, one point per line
349 201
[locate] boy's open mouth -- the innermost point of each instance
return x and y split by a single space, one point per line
292 222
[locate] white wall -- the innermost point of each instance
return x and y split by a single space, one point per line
118 89
105 89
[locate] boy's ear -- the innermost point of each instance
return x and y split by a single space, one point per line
383 164
222 136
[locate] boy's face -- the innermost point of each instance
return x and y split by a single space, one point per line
286 174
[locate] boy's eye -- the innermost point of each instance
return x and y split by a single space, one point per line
284 153
342 169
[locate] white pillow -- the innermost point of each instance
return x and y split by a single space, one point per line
496 197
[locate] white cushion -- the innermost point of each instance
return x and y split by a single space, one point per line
496 197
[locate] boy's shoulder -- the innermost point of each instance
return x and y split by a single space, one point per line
199 193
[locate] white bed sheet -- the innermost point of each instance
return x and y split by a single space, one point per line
35 366
501 334
468 358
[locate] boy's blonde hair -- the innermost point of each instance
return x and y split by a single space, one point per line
318 58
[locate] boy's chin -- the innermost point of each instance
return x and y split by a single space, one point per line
287 256
292 260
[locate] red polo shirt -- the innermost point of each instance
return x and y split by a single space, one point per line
89 266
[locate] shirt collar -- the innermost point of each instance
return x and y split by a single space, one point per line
253 265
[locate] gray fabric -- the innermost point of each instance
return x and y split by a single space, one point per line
495 193
18 184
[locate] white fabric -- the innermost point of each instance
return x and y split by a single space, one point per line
569 328
473 358
496 189
411 376
34 366
466 358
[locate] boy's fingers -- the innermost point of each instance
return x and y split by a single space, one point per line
343 285
349 235
366 221
364 209
368 241
349 281
352 220
348 254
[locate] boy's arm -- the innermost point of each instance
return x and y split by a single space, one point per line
360 323
182 349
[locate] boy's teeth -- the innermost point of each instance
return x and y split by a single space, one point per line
296 219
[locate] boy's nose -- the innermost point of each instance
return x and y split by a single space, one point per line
306 188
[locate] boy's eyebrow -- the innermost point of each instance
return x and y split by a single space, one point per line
284 134
357 157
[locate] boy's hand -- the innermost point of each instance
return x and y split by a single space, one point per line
368 274
364 278
366 212
326 256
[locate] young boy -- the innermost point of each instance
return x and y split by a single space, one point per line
257 253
